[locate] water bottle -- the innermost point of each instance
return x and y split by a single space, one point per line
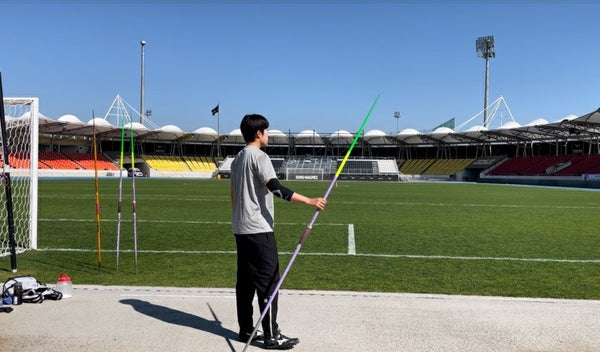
64 285
17 294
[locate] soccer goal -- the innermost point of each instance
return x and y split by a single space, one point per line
19 175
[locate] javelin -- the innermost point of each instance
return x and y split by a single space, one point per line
98 238
310 224
133 200
120 202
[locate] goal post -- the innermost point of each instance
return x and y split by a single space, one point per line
21 116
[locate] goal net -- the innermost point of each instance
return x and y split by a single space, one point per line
22 126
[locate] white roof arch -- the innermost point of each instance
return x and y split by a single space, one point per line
136 126
408 132
567 118
477 128
235 136
537 122
69 118
99 121
375 133
170 128
509 125
26 115
341 137
443 130
376 137
277 137
308 137
206 130
340 134
236 132
307 133
203 134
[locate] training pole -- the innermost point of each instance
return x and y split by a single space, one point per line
120 203
309 226
98 237
133 201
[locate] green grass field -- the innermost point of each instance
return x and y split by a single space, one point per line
451 238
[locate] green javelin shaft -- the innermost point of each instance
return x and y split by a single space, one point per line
122 143
338 172
309 227
360 130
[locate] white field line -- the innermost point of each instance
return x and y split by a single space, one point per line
351 243
180 222
469 205
374 255
183 198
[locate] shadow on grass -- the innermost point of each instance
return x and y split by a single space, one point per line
177 317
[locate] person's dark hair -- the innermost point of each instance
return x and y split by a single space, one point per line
251 124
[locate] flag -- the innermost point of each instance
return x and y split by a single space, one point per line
449 124
215 110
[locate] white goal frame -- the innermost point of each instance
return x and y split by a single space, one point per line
22 127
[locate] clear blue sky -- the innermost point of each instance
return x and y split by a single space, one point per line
304 65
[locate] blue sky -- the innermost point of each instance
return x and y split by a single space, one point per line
304 65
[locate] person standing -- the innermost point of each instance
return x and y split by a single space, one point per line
253 184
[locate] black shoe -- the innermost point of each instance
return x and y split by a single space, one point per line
280 342
244 336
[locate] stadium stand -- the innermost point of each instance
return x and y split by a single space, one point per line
544 165
516 166
58 160
165 163
387 166
415 166
361 167
561 165
469 154
448 166
196 163
583 164
21 161
86 161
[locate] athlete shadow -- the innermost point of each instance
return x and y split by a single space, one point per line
177 317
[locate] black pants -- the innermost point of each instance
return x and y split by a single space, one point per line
257 272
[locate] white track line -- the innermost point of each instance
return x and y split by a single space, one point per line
410 256
351 243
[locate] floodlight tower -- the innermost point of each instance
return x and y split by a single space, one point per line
485 49
142 44
397 117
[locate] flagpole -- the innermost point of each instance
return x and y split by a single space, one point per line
218 134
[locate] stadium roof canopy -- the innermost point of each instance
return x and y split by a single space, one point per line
585 127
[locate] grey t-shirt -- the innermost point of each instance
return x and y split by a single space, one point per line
253 209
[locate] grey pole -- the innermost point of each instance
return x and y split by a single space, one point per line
486 95
142 44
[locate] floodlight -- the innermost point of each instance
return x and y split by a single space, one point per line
397 117
485 49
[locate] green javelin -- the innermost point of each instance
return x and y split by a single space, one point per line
360 130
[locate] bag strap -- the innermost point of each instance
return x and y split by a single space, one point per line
32 296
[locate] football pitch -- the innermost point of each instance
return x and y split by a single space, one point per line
450 238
